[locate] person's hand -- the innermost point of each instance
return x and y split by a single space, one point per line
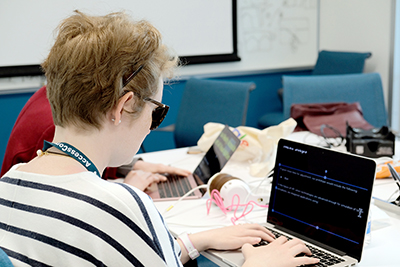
231 237
159 168
279 253
142 180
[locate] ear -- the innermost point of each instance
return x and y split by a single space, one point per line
122 103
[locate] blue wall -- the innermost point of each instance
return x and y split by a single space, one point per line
263 99
10 106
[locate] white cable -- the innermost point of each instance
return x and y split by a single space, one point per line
254 190
184 196
390 198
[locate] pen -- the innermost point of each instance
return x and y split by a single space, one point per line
395 175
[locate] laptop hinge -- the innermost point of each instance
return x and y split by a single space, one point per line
305 238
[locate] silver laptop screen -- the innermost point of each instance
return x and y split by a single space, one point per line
217 156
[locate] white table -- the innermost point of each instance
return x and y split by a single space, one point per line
191 215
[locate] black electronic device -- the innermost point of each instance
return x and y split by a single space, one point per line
374 143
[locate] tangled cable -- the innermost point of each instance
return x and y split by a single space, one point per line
215 197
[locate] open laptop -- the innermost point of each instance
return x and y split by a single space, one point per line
320 196
213 161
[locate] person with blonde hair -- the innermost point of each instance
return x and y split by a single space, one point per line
35 124
104 84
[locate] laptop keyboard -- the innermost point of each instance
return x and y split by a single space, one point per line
325 259
175 186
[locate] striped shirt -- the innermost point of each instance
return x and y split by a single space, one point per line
81 220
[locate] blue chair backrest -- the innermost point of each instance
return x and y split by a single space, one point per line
365 88
206 101
335 62
4 260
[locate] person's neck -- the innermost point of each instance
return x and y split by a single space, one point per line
92 143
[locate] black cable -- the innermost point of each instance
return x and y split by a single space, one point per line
336 132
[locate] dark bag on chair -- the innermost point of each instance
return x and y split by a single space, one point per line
310 117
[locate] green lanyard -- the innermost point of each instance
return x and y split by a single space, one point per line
73 153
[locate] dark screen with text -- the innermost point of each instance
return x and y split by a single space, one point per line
322 194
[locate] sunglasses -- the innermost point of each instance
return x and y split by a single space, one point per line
159 112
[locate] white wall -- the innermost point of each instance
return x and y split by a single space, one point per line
272 36
28 32
364 26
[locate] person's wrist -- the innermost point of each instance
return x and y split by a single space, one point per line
188 244
202 240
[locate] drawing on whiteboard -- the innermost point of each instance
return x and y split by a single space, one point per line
267 25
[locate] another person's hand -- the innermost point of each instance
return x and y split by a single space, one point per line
142 180
159 168
279 253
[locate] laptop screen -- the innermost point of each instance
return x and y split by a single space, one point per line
322 194
217 156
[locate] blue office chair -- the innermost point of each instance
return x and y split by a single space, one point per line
4 260
206 100
328 63
365 88
335 62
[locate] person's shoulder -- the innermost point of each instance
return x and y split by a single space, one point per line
128 193
131 191
131 202
12 173
120 193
